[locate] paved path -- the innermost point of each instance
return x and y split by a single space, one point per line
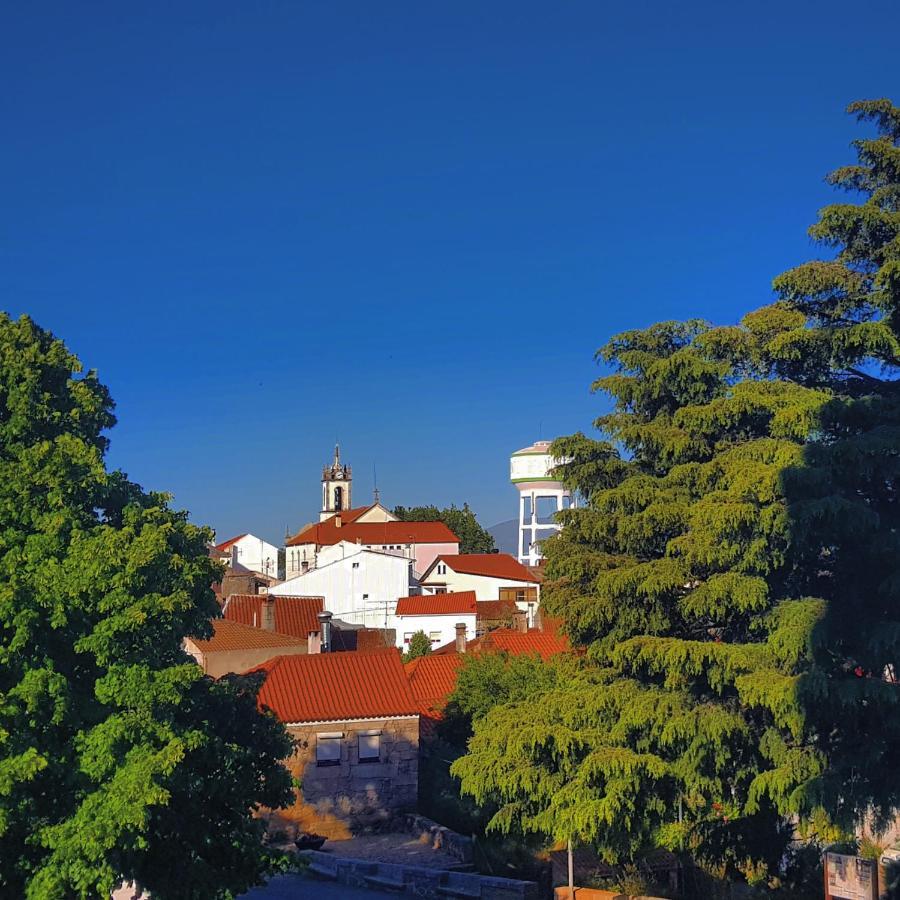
288 887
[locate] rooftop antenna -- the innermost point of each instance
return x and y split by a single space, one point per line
375 490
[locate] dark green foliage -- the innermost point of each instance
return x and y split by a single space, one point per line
462 522
419 645
119 759
735 572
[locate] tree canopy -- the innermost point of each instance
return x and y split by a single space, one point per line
119 759
462 522
735 570
419 645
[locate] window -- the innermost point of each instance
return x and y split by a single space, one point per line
434 636
365 597
355 565
440 590
328 748
369 746
441 569
407 636
304 566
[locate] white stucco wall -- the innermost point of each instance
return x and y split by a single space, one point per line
256 554
358 585
444 626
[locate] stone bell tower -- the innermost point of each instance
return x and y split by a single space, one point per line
337 482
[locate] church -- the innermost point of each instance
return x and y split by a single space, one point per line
372 527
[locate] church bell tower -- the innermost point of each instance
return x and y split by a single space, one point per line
337 482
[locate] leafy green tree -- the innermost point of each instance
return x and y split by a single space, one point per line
462 522
119 759
419 645
735 571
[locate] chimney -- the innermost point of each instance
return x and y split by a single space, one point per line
313 643
520 621
460 637
337 521
325 631
268 614
234 555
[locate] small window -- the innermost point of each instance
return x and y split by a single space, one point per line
365 597
355 565
435 637
441 569
328 749
370 746
440 590
407 636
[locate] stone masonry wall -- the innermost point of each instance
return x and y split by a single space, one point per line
339 800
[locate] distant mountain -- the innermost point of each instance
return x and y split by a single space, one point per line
506 536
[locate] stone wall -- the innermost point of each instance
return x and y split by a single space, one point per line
417 881
339 800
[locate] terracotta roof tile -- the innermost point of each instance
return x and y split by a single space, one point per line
496 610
333 687
326 534
453 604
432 680
492 565
228 635
517 643
296 616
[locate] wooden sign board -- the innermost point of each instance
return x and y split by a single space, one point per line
850 877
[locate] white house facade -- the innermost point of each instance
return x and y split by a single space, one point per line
251 552
437 615
359 585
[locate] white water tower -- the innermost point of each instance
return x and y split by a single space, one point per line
541 496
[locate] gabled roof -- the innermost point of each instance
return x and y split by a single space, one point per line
432 680
226 544
327 533
454 604
229 635
295 616
334 687
490 565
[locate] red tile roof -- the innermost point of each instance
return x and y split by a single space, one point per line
228 635
326 534
296 616
492 565
334 687
226 544
432 680
517 643
453 604
496 610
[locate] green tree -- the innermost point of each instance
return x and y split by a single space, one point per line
119 759
462 522
419 645
735 571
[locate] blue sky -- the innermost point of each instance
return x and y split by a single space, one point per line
405 226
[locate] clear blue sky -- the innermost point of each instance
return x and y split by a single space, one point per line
406 226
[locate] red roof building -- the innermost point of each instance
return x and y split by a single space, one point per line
234 647
335 687
489 565
295 616
462 603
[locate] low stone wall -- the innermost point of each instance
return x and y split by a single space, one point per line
582 893
439 836
416 881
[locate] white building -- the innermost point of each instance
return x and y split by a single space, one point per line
359 585
541 497
492 576
437 615
250 552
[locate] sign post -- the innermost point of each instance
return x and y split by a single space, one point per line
850 877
